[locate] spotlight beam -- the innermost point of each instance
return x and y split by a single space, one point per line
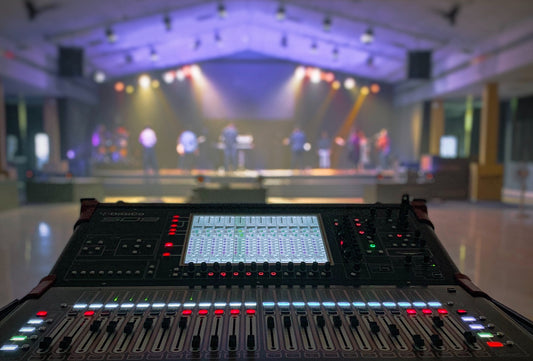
348 123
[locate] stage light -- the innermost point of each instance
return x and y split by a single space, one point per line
195 71
314 46
110 35
284 41
130 89
335 54
99 76
168 22
144 81
186 70
364 90
309 71
280 14
168 77
349 83
197 44
336 85
329 77
374 88
299 73
221 10
153 55
180 75
368 36
316 75
307 147
326 24
119 87
71 154
155 84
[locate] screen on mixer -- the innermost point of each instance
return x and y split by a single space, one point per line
257 238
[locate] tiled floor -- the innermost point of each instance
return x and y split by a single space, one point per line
490 243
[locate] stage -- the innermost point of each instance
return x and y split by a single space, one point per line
270 186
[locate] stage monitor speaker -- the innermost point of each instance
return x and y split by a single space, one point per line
419 65
70 61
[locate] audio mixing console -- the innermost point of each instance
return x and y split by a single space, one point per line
186 281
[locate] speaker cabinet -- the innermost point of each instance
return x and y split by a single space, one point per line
419 64
70 61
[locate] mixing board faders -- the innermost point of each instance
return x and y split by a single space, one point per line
167 282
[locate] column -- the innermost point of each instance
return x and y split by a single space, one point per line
469 122
3 130
486 176
51 127
436 126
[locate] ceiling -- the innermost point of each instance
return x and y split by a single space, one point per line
197 31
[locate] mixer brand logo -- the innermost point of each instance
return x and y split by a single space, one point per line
121 214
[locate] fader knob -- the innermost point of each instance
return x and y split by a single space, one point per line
354 321
437 321
287 321
229 267
302 266
278 266
265 266
327 266
320 321
436 340
393 330
196 342
190 266
270 322
165 325
304 322
203 266
232 343
253 266
65 342
213 343
418 341
250 342
337 322
470 337
314 266
241 266
290 266
216 266
45 343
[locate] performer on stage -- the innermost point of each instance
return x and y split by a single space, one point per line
383 148
229 139
297 142
187 148
364 151
148 140
354 148
324 150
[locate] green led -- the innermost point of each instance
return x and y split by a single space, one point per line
115 299
372 245
131 299
433 265
18 338
485 334
146 298
190 299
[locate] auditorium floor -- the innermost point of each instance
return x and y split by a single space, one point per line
489 242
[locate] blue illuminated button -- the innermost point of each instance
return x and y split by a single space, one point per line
27 329
434 304
8 347
343 304
468 319
419 304
283 304
35 321
313 304
404 304
79 306
374 304
329 304
476 326
268 304
389 304
298 304
359 304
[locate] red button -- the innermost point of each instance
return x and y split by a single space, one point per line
248 274
168 244
411 311
202 312
273 274
235 274
223 274
166 254
442 311
219 312
186 312
361 232
88 313
41 314
235 312
426 311
261 273
210 274
461 312
494 344
250 312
